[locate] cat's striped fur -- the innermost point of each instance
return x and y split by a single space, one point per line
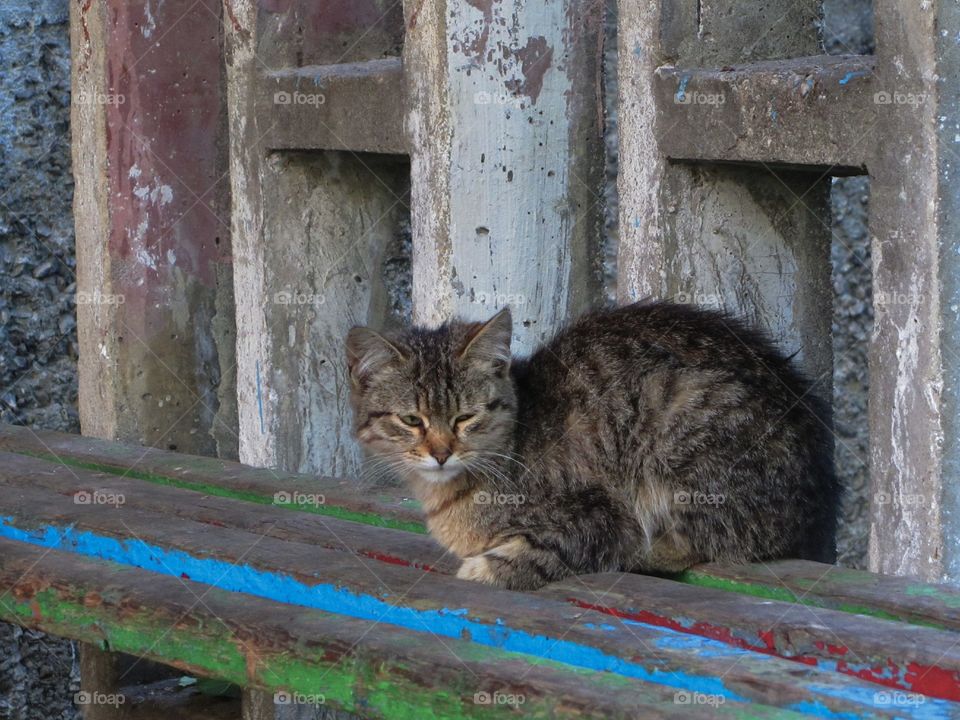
648 438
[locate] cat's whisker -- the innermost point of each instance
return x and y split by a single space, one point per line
511 458
490 470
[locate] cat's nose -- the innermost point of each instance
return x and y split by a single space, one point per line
441 455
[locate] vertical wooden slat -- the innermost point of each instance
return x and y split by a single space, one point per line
915 354
503 113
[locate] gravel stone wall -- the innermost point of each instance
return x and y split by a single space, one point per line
38 346
848 29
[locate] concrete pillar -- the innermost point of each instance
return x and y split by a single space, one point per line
503 119
915 354
311 225
153 242
752 238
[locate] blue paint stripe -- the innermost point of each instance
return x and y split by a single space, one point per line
851 75
681 94
452 623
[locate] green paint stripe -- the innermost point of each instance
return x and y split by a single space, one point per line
341 513
207 649
770 592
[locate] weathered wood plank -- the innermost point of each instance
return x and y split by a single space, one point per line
332 107
885 596
900 656
897 655
380 671
813 112
376 543
385 507
425 602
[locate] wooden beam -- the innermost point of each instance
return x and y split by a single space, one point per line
912 659
812 112
442 607
343 662
883 596
889 597
348 106
198 503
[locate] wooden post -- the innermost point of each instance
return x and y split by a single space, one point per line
915 354
503 119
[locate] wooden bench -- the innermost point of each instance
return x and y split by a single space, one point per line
329 593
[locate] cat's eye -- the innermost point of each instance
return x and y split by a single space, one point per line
411 420
462 418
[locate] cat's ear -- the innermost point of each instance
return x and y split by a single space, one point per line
368 352
489 342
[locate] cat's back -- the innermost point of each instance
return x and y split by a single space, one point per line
661 361
653 335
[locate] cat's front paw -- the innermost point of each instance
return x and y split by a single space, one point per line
477 568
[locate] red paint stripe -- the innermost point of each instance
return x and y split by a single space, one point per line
929 680
394 560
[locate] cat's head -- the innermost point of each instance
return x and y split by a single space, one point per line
431 404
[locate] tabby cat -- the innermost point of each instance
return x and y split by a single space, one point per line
646 438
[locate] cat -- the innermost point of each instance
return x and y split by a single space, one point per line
647 438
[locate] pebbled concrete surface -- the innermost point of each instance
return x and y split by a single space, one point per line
848 29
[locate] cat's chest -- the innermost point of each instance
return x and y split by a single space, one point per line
456 529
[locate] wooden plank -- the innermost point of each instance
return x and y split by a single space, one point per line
329 107
426 602
899 656
891 598
381 506
884 596
814 112
375 543
905 657
379 671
